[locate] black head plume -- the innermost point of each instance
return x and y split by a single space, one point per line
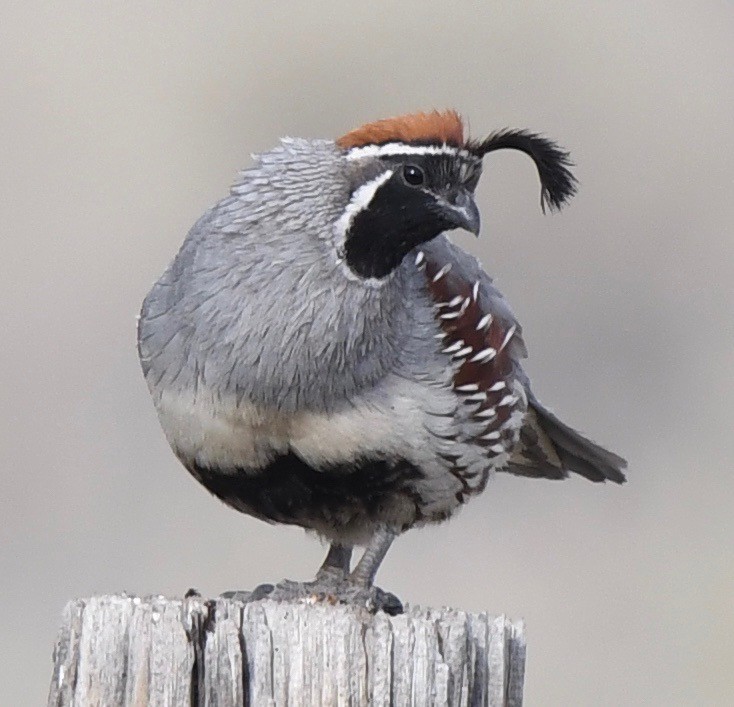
558 184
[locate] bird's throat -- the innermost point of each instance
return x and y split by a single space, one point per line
395 221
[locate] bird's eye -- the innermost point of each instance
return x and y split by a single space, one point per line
413 175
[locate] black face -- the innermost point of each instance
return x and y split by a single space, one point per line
426 195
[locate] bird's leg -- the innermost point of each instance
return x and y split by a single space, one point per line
335 583
366 569
336 565
358 587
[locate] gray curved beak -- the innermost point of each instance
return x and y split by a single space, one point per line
463 212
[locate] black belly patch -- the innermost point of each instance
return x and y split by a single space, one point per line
291 491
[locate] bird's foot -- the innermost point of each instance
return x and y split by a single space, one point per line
329 590
287 590
371 598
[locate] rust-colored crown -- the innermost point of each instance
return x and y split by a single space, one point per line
441 127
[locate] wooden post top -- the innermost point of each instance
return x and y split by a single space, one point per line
127 650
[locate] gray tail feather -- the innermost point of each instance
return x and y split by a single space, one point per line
574 452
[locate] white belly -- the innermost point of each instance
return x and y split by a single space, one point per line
216 433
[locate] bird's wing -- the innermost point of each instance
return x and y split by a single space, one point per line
484 341
464 276
547 447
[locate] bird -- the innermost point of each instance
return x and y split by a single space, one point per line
321 354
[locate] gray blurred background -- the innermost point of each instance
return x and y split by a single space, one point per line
122 122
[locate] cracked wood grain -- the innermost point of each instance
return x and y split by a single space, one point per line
133 651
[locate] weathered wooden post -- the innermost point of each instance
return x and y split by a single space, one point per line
125 650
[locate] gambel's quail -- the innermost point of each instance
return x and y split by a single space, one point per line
320 353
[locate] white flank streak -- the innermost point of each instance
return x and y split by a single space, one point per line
360 200
476 398
442 272
440 336
454 301
508 336
468 388
484 321
497 448
420 257
475 291
400 148
486 414
484 355
463 352
507 400
492 435
450 315
497 386
454 347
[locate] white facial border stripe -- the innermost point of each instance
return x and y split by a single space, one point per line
360 200
400 148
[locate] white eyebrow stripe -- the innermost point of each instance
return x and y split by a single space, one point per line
360 200
391 149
